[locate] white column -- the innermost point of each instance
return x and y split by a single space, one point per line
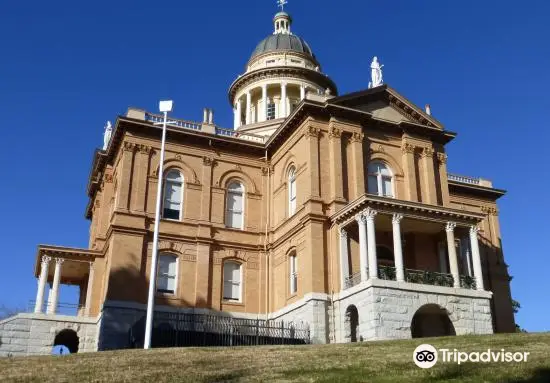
476 257
465 244
263 115
248 107
239 113
283 100
302 92
89 290
398 247
362 223
344 253
371 243
451 249
55 286
42 284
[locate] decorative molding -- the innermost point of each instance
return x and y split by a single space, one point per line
108 178
407 111
145 149
334 132
343 233
45 260
407 148
128 146
489 210
427 152
208 161
312 131
178 157
369 213
474 229
357 137
238 167
442 158
59 261
265 170
361 219
450 227
396 218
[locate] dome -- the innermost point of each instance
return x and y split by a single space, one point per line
282 42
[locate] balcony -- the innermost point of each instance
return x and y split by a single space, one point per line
423 277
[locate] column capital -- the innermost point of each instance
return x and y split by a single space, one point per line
45 259
59 261
369 213
396 218
357 137
474 229
334 132
441 158
450 227
427 152
361 219
407 148
343 233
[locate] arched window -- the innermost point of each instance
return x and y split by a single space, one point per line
173 195
167 274
232 281
380 179
293 273
234 215
291 191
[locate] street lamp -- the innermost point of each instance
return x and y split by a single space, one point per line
164 107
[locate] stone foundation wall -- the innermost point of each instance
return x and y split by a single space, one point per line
386 309
34 334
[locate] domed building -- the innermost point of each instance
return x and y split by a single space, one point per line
317 218
281 71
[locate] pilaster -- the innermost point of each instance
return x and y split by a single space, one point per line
428 176
358 170
141 170
444 182
410 171
206 205
335 156
125 176
203 277
311 134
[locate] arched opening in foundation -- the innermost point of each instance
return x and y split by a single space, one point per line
352 323
430 321
67 338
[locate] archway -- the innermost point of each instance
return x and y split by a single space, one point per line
351 323
67 338
431 321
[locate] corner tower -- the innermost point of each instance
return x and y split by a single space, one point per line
279 75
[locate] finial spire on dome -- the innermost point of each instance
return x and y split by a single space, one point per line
282 19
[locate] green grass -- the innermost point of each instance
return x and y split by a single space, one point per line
389 361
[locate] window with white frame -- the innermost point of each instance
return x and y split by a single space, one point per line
167 274
293 273
232 281
292 191
173 195
234 215
380 179
271 111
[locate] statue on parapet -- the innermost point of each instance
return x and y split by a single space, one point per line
107 135
376 73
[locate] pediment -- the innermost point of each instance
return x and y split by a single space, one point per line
387 104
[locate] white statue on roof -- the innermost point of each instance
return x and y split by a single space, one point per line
376 73
107 135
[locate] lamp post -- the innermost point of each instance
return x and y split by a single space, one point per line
164 107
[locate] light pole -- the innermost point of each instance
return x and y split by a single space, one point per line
165 107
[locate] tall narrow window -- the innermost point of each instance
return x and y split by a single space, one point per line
232 281
293 270
291 191
173 195
167 274
271 111
380 179
234 215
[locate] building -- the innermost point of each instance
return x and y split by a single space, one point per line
333 211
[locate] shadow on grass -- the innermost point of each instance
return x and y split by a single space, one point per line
540 375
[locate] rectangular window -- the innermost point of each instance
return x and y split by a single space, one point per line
235 210
292 197
293 275
270 111
232 281
166 276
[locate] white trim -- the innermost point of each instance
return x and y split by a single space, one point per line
182 176
241 278
243 195
293 273
176 279
291 179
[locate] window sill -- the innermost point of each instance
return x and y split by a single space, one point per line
232 303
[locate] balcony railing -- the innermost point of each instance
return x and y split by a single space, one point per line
242 136
423 277
181 123
69 309
352 280
463 179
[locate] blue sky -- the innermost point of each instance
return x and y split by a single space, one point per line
68 66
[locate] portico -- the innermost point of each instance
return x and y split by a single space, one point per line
449 269
69 266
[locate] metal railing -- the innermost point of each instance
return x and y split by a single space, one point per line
242 136
172 121
467 282
199 330
69 309
352 280
387 273
463 179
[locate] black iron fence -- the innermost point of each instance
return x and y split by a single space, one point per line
174 329
426 277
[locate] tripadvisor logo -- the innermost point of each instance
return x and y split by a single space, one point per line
426 356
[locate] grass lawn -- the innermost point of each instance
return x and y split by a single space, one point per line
389 361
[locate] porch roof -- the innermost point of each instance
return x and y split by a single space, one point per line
407 208
76 265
